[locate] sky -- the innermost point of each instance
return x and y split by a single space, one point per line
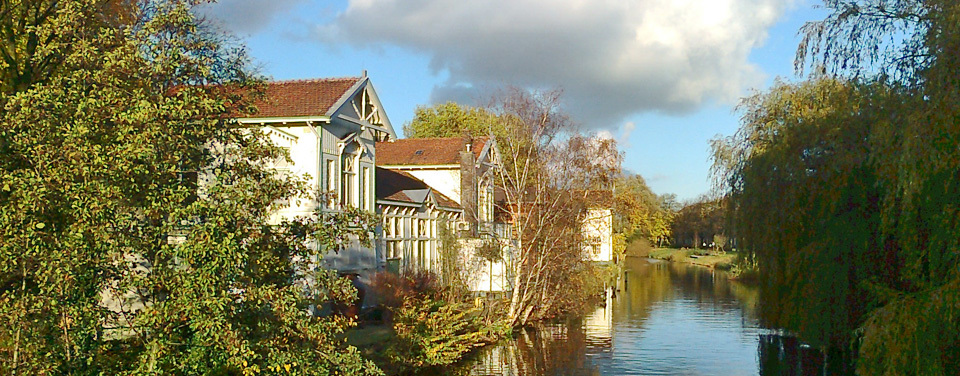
662 77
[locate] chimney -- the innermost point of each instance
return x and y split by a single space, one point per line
468 187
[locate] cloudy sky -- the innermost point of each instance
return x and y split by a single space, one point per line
661 76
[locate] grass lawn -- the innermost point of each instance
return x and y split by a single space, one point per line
702 257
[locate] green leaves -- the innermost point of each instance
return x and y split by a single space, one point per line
453 120
847 191
130 244
435 333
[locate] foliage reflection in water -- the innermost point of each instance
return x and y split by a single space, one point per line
665 319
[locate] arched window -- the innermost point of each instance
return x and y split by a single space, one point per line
348 175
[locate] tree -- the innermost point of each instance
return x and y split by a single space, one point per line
452 120
805 174
902 103
699 221
549 178
112 259
30 54
642 214
917 156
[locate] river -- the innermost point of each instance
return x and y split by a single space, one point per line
664 319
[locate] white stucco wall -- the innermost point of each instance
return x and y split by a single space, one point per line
446 181
598 226
302 144
482 275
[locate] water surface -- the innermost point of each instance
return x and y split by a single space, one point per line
662 319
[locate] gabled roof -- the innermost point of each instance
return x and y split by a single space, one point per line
400 186
311 97
426 151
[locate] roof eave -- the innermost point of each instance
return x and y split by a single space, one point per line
399 203
419 167
283 120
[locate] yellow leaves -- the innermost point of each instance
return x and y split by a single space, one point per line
286 367
40 226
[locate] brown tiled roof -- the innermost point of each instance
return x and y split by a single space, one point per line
445 201
392 184
598 198
312 97
425 151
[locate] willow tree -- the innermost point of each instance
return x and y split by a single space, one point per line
804 187
892 234
112 261
915 325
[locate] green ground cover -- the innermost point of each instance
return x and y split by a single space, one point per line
702 257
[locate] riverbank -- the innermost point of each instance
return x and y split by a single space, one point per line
428 331
701 257
725 261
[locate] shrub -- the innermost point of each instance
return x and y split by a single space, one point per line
639 248
434 332
394 289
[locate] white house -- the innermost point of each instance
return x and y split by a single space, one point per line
462 169
414 215
597 230
330 126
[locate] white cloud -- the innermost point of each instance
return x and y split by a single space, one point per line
613 58
248 16
625 131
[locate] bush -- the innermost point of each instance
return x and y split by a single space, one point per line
639 248
394 289
435 333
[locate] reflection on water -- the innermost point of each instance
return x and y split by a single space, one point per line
664 319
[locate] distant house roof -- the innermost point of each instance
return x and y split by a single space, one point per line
426 151
599 199
311 97
393 185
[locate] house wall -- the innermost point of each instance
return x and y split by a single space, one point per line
446 181
320 161
483 275
598 234
302 144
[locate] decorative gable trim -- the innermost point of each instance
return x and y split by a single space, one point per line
363 90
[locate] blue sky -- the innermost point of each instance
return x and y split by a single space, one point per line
661 76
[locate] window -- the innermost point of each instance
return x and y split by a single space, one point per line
281 163
347 175
331 188
593 244
393 249
485 200
422 254
364 189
